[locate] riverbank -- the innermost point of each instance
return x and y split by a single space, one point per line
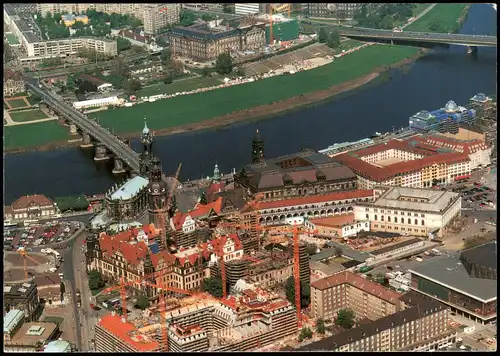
258 112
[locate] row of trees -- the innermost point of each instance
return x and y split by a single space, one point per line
385 15
331 37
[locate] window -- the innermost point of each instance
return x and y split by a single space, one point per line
423 222
416 222
409 221
382 218
395 219
367 209
388 219
367 216
375 217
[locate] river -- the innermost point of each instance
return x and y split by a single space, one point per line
442 75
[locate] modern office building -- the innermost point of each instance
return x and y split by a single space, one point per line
247 9
411 211
465 281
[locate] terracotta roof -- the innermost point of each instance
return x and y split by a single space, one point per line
201 212
222 240
212 189
379 174
28 200
353 194
334 221
135 36
128 333
134 253
467 147
358 282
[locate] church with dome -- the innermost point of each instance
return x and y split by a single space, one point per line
446 119
139 200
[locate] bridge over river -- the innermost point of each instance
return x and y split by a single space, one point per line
419 38
122 151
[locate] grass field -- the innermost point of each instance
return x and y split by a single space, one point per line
199 107
346 45
179 86
340 259
23 136
12 39
32 100
16 103
445 14
30 115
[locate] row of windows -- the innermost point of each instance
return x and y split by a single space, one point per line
396 220
395 212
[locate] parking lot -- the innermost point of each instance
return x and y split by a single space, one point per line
402 265
35 236
477 196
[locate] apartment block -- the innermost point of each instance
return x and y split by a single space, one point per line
348 291
153 16
422 325
216 6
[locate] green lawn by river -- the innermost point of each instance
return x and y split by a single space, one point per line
446 14
199 107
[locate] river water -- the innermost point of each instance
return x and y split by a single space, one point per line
442 75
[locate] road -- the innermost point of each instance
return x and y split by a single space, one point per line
75 273
419 15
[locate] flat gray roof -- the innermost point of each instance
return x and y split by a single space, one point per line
449 271
30 37
431 200
349 252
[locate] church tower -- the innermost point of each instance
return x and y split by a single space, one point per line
147 150
157 193
216 177
257 148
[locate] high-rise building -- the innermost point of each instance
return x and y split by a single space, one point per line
247 9
342 11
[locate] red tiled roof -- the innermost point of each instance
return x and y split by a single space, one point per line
214 188
217 243
199 213
379 174
334 221
124 331
353 194
467 147
28 200
133 253
358 282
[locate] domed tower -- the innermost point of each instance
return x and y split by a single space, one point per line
157 193
147 150
216 177
257 148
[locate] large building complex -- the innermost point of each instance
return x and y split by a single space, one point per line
417 162
216 6
206 41
446 119
343 11
346 290
465 281
247 8
153 16
422 325
296 175
410 211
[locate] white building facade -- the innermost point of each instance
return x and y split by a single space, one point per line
416 212
246 9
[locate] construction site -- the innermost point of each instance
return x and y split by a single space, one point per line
23 266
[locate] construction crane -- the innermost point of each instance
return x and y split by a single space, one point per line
25 256
276 9
162 302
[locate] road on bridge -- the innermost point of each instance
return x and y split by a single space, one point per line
104 136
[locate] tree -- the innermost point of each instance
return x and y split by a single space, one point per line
305 333
240 72
213 286
338 251
187 18
320 326
386 22
95 280
224 63
345 318
166 55
311 248
227 8
121 68
305 292
167 80
122 44
142 302
206 71
207 17
322 36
